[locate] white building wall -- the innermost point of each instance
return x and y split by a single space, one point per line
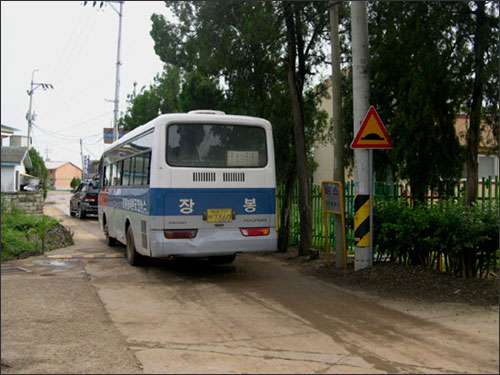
19 140
8 178
323 152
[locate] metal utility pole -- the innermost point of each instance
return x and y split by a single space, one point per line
47 152
118 62
83 165
338 147
361 97
29 115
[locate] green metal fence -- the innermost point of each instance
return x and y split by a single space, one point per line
488 190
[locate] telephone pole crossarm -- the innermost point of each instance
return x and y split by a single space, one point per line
29 115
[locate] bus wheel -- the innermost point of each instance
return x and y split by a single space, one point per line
110 241
223 259
133 257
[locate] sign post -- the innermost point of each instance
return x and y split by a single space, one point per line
371 135
333 202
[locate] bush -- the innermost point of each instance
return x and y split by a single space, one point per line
467 240
75 182
24 235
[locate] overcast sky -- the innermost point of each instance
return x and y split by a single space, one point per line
74 48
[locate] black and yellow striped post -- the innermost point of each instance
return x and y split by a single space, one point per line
362 220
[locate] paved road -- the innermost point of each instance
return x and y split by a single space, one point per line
258 315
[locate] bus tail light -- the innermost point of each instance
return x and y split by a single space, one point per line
251 232
180 233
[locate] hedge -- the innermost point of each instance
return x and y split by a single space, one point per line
447 236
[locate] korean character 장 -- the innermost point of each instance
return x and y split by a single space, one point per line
186 206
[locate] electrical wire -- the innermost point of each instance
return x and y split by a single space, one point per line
68 102
73 56
87 121
90 152
65 137
96 142
57 67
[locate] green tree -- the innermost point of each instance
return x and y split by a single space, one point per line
200 92
304 24
244 43
162 96
477 78
412 87
39 170
424 62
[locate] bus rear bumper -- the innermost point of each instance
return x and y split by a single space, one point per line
209 242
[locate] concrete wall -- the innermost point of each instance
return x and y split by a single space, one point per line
26 201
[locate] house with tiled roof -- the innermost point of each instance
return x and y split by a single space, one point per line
14 163
61 173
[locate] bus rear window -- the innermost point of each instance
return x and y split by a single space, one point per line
216 146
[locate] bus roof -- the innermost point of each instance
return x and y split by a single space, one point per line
206 116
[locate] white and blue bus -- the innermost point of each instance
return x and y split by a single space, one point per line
197 184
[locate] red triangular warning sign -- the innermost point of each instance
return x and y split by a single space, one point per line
372 133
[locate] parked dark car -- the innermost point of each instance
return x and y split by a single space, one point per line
83 202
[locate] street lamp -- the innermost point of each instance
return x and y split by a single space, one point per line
34 86
118 62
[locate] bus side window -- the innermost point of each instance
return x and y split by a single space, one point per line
132 169
117 178
106 175
100 174
104 179
147 168
138 170
126 172
109 174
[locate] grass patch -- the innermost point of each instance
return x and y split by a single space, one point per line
25 235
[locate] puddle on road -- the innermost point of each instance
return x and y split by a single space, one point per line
51 262
60 265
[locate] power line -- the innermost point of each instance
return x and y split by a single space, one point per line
75 52
118 62
65 137
96 142
67 102
56 69
90 152
86 121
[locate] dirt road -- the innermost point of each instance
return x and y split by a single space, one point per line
258 315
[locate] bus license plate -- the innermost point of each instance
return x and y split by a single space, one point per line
219 215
